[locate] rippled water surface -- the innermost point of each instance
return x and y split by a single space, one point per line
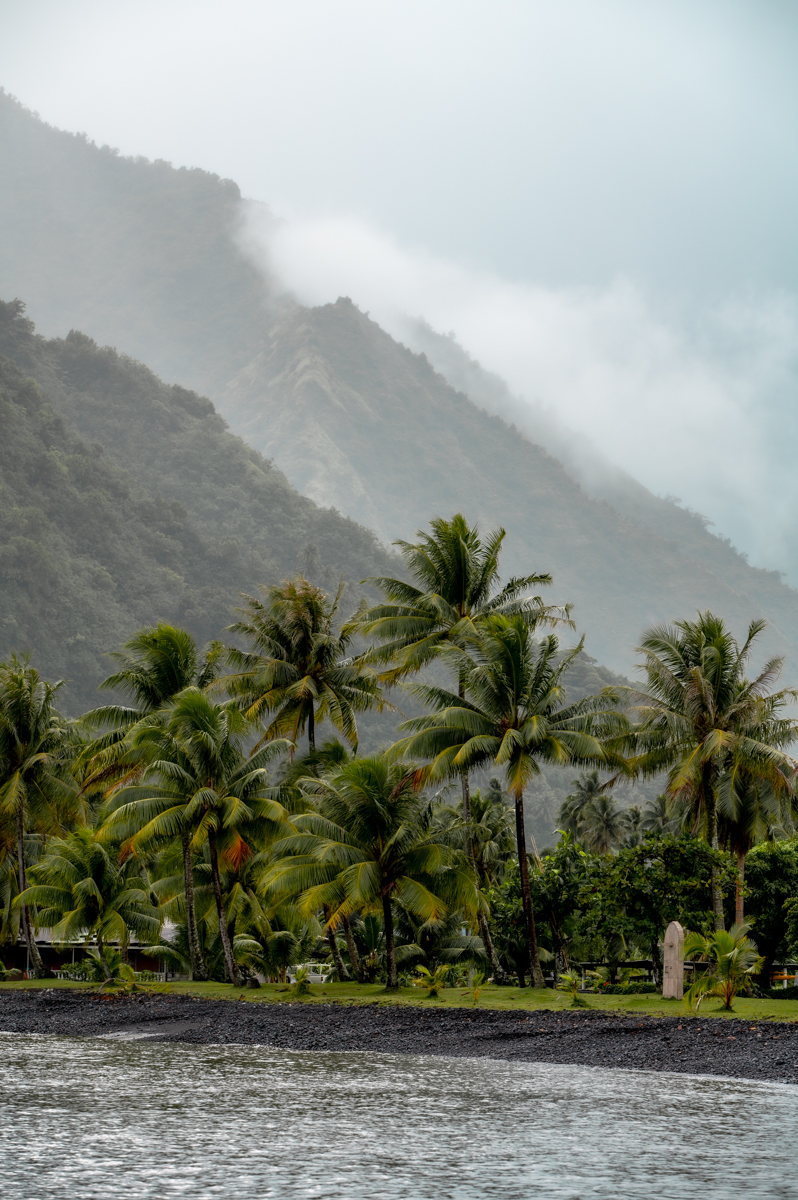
104 1119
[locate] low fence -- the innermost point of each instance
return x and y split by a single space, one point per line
782 975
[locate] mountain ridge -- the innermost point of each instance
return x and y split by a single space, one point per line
330 377
149 257
125 501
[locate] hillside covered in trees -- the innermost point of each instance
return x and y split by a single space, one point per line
353 416
126 501
149 258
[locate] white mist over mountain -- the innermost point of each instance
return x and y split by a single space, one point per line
597 198
698 402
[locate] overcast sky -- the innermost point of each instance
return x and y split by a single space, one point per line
599 198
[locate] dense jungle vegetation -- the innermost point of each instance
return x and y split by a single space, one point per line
127 501
218 808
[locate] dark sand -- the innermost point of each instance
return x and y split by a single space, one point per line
694 1045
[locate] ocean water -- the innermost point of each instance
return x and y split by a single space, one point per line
94 1118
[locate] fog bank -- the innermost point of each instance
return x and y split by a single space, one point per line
693 400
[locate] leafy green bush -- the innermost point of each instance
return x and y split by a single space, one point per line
432 981
82 971
777 993
301 985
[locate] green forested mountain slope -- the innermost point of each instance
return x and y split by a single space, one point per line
125 501
599 478
353 416
145 257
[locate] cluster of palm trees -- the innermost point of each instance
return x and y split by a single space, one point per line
207 799
594 818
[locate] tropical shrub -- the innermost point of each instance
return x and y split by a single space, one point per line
732 958
570 983
301 984
432 981
475 987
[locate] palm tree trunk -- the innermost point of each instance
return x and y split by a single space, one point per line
33 950
332 942
484 930
198 969
739 915
712 823
466 790
229 961
354 957
717 895
311 728
526 893
487 940
390 942
560 952
103 960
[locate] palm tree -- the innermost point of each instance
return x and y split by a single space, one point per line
603 825
587 788
515 717
157 663
733 958
457 585
759 812
488 839
297 666
706 724
368 845
154 665
200 786
633 826
81 890
36 792
659 816
491 835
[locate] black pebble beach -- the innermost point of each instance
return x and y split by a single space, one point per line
764 1050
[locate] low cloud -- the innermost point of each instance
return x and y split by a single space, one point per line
693 402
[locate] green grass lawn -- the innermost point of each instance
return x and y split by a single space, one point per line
517 999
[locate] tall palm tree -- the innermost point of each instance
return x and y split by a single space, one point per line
514 716
603 825
757 812
368 845
36 792
633 826
456 586
488 839
297 666
200 785
706 724
157 663
587 788
82 890
154 665
659 816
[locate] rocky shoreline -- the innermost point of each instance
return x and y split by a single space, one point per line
764 1050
